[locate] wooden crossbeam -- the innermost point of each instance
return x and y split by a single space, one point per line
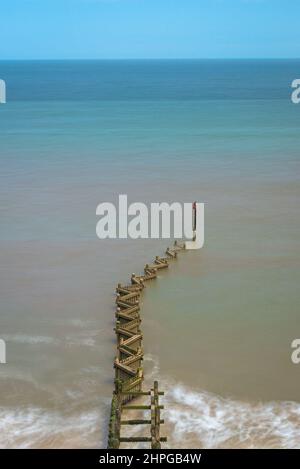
128 351
137 280
129 310
140 407
171 253
120 330
126 304
121 314
127 291
140 439
129 295
156 266
135 287
132 339
127 361
138 422
136 393
134 322
161 260
124 368
142 393
126 347
132 385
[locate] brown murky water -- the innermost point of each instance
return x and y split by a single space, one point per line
217 328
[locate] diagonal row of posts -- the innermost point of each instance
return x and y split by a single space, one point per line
128 363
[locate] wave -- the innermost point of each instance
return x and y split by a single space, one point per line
38 428
31 340
206 420
196 418
85 339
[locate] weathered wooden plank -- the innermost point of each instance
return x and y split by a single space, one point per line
129 295
124 368
161 260
120 330
138 422
126 304
171 253
126 348
114 422
156 266
127 317
139 407
136 279
133 323
128 386
136 393
140 439
129 360
127 291
133 339
129 310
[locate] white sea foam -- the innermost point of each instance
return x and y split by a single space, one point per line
30 340
197 418
35 427
81 341
86 339
210 421
194 418
76 322
154 371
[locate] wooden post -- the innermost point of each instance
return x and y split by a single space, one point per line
155 418
114 422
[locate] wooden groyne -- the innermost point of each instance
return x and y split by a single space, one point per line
128 363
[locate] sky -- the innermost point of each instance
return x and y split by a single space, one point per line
123 29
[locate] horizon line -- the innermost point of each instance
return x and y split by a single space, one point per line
147 58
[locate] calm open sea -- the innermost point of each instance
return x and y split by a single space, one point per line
218 326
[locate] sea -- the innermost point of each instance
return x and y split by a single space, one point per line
219 324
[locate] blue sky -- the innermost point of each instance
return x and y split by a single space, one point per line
87 29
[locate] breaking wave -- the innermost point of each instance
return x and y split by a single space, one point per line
37 428
84 338
194 418
202 419
31 340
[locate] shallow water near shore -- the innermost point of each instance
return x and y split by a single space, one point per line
218 325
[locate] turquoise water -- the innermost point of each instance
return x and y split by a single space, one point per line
74 134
